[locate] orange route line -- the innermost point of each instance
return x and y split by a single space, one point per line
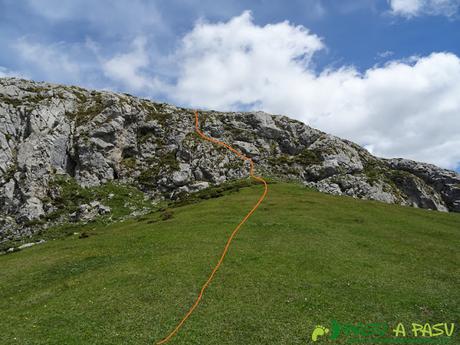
233 234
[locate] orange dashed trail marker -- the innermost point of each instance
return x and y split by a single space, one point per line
233 234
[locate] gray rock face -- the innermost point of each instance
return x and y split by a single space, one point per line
355 186
444 183
96 137
88 212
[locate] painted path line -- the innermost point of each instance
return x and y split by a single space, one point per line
233 234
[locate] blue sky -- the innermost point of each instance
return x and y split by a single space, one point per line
385 74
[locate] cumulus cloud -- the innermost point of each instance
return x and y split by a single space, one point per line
412 8
127 67
224 64
405 108
86 64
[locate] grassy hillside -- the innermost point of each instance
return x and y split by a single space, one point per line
305 258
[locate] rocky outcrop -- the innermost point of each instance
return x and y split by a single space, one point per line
49 131
88 212
445 183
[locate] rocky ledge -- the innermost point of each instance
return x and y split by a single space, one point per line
55 136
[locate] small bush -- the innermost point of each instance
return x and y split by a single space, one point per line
166 214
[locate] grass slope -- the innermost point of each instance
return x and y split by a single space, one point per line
304 258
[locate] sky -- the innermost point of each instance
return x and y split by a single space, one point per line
382 73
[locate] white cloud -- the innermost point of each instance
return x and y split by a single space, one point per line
226 63
84 64
385 54
405 108
127 67
412 8
54 61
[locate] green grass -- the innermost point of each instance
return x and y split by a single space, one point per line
304 258
122 199
306 156
165 162
86 112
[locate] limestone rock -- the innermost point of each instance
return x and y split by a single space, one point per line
95 137
88 212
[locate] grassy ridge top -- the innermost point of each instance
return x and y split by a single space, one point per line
304 258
